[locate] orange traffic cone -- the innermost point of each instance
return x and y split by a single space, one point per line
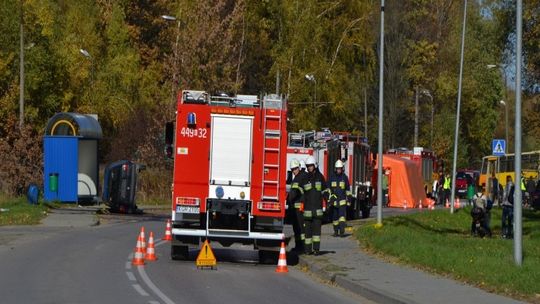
168 234
138 257
151 249
457 203
447 204
420 204
140 241
282 262
143 239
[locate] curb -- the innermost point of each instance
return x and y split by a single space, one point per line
362 289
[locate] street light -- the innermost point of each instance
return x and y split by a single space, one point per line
311 78
428 94
503 71
86 54
170 18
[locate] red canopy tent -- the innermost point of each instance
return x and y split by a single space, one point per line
405 186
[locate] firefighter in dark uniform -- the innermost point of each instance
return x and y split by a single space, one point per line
294 203
340 198
314 187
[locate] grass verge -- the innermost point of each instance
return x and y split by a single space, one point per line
17 211
440 242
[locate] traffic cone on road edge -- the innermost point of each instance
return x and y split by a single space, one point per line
168 234
151 250
457 203
282 261
143 239
447 204
138 257
140 241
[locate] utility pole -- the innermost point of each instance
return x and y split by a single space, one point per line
21 69
518 254
380 131
365 113
456 135
415 143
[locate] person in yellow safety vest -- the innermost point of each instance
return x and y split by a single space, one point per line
340 198
446 188
294 203
314 186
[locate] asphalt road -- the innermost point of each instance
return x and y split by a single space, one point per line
92 265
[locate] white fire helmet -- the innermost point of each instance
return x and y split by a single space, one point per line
339 164
302 164
310 161
294 164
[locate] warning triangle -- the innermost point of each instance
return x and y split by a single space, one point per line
206 256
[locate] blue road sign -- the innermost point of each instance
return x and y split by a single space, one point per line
498 147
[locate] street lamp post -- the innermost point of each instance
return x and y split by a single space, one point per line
21 70
175 55
503 102
416 110
86 54
458 108
311 78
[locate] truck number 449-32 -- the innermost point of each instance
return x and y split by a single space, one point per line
198 133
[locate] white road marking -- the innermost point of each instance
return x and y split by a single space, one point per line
131 276
153 287
140 290
153 302
128 265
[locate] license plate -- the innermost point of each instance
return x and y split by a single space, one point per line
187 209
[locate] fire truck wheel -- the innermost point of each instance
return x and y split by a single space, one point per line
179 252
268 257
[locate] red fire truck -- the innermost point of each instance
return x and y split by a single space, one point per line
229 171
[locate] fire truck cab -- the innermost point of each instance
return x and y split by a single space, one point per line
229 171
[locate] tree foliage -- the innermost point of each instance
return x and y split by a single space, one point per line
139 60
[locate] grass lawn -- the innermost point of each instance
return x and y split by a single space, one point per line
17 211
440 242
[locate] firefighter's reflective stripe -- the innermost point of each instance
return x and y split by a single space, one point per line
333 184
307 187
308 214
343 202
297 205
316 239
302 236
342 219
335 223
297 186
342 185
318 186
348 193
319 212
308 241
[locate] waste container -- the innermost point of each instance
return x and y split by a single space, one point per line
120 186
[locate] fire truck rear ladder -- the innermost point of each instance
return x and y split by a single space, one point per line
271 152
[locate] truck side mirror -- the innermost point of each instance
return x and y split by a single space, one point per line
169 139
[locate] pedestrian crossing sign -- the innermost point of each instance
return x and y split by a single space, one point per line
498 147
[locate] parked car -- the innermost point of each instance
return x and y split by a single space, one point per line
462 180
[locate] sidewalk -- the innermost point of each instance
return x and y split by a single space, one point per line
71 217
345 264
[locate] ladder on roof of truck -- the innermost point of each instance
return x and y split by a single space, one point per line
271 149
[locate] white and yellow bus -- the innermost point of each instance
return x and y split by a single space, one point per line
502 166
